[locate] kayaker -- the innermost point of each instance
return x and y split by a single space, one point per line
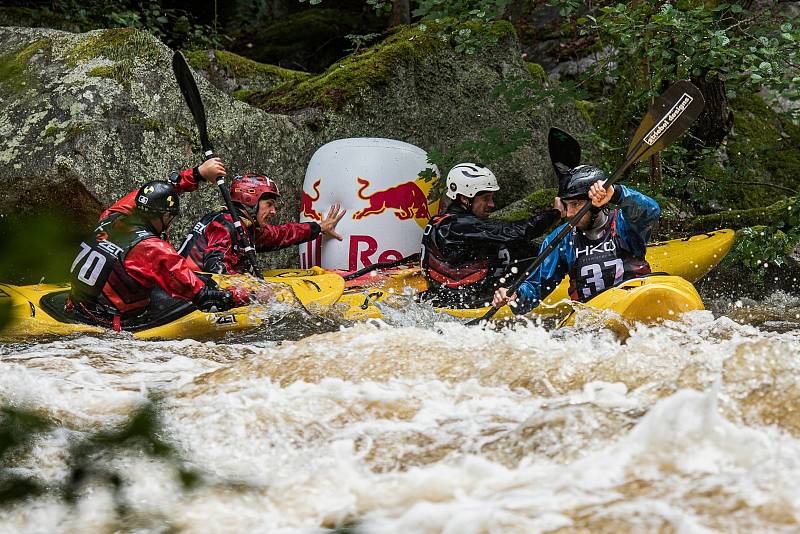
464 253
605 248
213 245
127 256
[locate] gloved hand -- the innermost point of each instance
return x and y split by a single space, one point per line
210 299
239 296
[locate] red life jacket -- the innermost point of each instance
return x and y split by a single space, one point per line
195 245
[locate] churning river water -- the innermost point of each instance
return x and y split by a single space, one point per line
423 425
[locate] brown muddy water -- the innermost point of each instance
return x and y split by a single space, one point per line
423 425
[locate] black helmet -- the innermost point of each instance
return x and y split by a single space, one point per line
576 184
156 198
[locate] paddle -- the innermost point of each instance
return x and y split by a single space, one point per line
383 265
192 96
565 152
666 120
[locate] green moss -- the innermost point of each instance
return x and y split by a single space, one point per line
350 77
123 46
762 151
197 59
782 214
236 66
184 132
526 207
586 110
243 94
50 131
118 72
13 66
150 124
536 71
76 128
355 74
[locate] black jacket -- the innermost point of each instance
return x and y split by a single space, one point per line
464 256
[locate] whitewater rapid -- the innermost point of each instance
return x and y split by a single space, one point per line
691 426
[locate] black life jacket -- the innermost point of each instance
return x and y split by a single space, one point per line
196 243
443 272
602 263
99 265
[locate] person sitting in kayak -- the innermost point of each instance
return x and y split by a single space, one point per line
464 253
605 248
213 245
127 257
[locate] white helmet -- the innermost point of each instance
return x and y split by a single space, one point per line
469 179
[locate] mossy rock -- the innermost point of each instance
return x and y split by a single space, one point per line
124 46
345 82
764 156
238 75
525 208
14 75
310 40
782 214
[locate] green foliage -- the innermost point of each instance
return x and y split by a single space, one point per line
359 41
175 27
89 458
762 248
40 248
462 23
693 40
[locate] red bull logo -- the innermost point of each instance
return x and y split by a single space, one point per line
307 203
406 200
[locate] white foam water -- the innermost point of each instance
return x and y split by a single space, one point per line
690 426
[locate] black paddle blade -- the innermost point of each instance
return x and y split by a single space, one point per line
565 152
192 96
668 117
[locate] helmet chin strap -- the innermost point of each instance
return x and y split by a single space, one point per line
598 219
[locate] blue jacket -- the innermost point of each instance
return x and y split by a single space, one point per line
636 218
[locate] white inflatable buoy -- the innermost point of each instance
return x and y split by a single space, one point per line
378 182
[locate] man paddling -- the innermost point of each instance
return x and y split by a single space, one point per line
127 257
213 245
464 253
606 247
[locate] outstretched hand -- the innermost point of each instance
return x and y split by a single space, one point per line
211 168
329 222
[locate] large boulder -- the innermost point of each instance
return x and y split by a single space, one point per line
417 88
85 118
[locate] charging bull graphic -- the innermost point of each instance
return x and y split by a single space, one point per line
407 201
307 203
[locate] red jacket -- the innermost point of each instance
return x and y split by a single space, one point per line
153 261
211 246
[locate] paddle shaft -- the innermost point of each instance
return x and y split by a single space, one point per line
191 94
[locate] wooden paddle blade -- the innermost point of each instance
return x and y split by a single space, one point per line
192 96
668 117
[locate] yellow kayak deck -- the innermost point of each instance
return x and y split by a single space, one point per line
689 258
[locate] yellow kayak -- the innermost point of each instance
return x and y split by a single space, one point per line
37 310
689 258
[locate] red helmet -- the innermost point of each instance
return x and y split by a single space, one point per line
247 190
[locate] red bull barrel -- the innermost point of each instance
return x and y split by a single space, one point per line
379 182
